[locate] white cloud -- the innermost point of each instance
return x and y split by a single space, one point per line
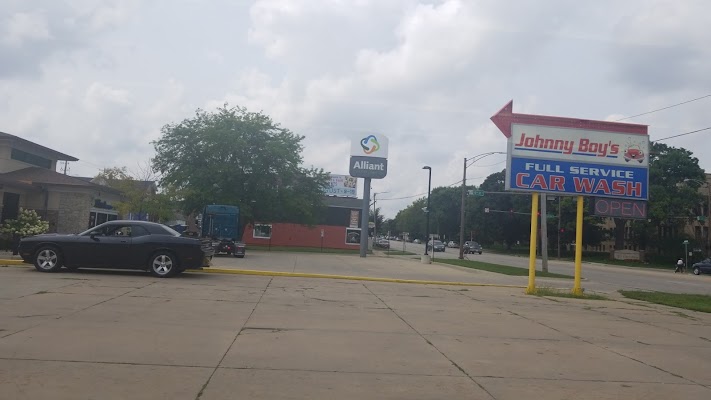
99 80
23 27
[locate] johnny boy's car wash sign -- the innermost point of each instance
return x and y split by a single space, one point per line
567 155
369 157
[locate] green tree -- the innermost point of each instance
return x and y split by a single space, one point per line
671 199
138 194
232 156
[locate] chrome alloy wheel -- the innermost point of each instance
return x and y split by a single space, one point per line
162 264
47 259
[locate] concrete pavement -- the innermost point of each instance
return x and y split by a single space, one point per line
107 335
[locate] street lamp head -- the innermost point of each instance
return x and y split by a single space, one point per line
427 167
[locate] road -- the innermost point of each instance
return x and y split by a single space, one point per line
597 277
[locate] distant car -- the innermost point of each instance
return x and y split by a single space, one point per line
118 244
472 247
436 245
416 241
452 244
382 243
702 267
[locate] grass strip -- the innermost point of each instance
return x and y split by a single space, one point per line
694 302
499 269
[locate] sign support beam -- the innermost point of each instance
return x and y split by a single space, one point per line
577 290
364 218
531 289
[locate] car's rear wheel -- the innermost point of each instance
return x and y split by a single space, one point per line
696 271
48 259
163 264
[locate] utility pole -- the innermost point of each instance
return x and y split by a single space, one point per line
544 234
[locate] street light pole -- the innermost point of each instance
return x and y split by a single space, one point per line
427 225
464 196
375 217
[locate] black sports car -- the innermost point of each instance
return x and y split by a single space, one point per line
118 244
702 267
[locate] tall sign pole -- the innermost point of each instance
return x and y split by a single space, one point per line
576 157
369 160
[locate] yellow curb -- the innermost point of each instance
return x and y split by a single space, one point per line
12 262
348 277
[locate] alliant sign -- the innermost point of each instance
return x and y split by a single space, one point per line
369 157
628 209
573 156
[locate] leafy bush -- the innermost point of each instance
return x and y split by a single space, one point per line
28 223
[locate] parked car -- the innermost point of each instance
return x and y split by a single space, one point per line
702 267
382 243
472 247
143 245
452 244
436 245
417 241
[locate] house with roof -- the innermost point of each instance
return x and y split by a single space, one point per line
28 179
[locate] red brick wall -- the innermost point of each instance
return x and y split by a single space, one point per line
334 237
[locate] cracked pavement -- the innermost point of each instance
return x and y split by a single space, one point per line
117 335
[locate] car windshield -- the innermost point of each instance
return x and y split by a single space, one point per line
437 242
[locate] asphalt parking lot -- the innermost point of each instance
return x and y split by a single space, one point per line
118 335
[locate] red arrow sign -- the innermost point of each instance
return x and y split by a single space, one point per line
505 117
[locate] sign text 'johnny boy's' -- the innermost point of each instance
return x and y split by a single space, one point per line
577 161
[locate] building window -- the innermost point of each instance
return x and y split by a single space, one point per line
28 158
262 231
98 218
353 236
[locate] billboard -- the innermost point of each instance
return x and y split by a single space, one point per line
342 186
578 161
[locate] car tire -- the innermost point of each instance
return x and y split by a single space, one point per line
696 271
163 264
480 253
48 259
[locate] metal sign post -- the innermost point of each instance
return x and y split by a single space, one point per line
369 159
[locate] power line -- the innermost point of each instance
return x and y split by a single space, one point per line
683 134
664 108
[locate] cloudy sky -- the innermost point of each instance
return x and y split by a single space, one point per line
98 79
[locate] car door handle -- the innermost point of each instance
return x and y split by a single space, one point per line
124 241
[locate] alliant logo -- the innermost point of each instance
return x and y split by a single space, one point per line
370 144
583 146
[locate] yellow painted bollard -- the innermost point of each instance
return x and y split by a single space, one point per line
531 289
577 290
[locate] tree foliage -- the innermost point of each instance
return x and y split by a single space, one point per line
674 178
138 193
232 156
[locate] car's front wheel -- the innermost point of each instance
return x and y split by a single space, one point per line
48 259
163 264
696 271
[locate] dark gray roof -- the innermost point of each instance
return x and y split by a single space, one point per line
54 153
43 176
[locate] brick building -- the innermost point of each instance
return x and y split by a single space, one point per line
28 179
